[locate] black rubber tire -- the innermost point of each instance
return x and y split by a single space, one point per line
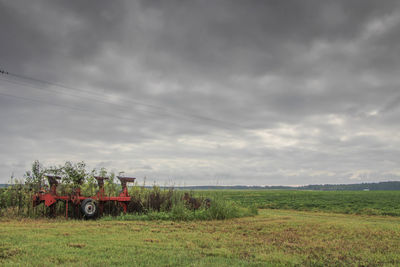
89 208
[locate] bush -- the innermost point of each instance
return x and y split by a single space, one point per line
220 209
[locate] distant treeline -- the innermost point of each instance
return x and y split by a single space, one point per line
391 185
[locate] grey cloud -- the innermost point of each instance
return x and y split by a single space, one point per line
228 92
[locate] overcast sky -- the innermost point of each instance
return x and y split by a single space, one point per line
203 92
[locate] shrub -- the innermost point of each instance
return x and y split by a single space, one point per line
220 209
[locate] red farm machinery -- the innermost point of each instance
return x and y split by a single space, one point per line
90 206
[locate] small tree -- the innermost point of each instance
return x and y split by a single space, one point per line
34 177
74 174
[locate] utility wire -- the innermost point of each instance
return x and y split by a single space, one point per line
163 109
65 106
121 107
74 95
86 110
78 108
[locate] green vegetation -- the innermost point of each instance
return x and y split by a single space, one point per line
162 228
219 209
348 202
166 204
272 238
167 227
146 203
389 185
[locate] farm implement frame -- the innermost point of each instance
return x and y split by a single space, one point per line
90 206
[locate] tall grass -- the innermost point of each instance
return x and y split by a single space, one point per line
146 203
219 209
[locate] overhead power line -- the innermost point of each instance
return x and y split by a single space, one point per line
124 108
30 82
74 95
135 120
64 106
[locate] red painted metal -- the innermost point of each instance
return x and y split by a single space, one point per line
50 197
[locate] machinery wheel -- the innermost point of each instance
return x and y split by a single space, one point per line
89 208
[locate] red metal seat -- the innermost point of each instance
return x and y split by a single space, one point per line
125 180
100 180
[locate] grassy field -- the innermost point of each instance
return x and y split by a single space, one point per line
274 237
306 228
347 202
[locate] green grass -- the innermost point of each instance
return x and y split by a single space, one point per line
298 228
347 202
222 212
274 237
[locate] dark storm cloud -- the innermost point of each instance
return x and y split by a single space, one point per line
228 92
55 29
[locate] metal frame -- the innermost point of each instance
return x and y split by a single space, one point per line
50 197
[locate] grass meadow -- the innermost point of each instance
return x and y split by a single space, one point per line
347 202
292 228
272 238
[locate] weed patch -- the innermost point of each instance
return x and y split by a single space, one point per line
219 209
7 251
76 245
